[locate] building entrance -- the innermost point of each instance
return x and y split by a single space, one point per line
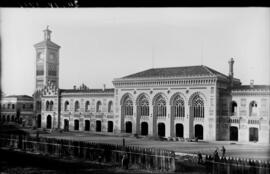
144 128
179 130
199 131
161 129
128 127
233 133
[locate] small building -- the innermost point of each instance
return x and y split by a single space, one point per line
17 109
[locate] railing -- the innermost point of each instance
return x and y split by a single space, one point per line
221 165
142 158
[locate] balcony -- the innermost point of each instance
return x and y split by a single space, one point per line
198 119
145 118
179 118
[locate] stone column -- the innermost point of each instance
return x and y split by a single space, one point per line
168 123
188 124
151 126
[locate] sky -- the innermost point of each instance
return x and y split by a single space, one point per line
100 44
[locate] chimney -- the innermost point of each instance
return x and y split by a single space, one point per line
74 86
251 83
231 67
104 87
231 61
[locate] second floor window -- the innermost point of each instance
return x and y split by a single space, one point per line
77 106
98 108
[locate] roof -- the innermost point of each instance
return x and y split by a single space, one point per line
46 43
19 97
255 87
106 90
177 72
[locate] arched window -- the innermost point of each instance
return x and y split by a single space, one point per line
47 105
87 106
51 105
234 108
143 107
160 107
31 106
23 106
13 106
178 108
98 107
253 108
8 106
128 107
66 107
77 106
197 107
38 105
110 106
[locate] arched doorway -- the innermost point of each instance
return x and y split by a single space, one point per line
98 126
128 127
66 125
253 134
8 118
233 133
161 129
12 118
76 124
39 121
179 130
144 128
199 131
49 122
87 125
110 126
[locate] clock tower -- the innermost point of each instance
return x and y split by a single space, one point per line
47 61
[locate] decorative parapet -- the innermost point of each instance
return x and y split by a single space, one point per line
50 89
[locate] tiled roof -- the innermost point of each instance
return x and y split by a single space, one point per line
46 43
176 72
255 87
107 90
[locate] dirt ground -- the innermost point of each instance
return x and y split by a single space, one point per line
234 149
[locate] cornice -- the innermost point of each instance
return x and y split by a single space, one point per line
86 94
251 93
169 82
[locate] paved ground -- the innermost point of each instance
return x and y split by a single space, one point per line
235 149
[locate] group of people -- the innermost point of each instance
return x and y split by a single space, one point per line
215 155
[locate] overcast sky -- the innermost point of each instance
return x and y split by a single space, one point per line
100 44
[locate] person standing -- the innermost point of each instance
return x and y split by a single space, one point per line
223 150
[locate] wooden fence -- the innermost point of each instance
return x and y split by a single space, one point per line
137 157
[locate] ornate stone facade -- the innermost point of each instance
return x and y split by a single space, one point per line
189 102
